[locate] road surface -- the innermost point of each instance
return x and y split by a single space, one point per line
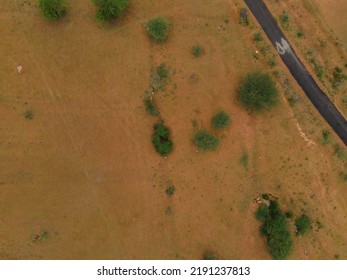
318 98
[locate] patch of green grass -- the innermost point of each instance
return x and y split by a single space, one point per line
158 29
151 108
110 9
244 17
338 77
258 37
302 224
284 19
339 152
220 120
276 230
28 115
197 50
159 77
170 191
205 141
53 10
300 34
257 92
318 68
326 137
244 159
161 140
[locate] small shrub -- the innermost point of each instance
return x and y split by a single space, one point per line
110 9
161 140
158 29
151 108
339 152
244 17
28 115
53 10
203 140
338 77
159 77
197 50
257 92
170 191
284 19
262 213
258 37
221 120
208 255
300 34
162 71
244 160
343 176
326 137
303 224
289 214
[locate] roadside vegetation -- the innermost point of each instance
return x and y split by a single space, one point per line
258 92
158 29
53 10
110 9
244 20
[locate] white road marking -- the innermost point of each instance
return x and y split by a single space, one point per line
283 47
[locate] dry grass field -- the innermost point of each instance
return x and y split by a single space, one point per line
83 173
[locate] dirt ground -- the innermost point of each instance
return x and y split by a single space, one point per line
84 169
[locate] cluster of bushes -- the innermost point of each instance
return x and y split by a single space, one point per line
338 77
258 91
206 141
53 10
275 229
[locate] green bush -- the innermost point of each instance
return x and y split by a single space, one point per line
303 224
197 50
244 17
284 19
326 137
151 108
28 115
258 91
53 9
339 152
257 37
159 77
244 159
158 29
208 255
170 191
161 140
221 120
110 9
203 140
275 229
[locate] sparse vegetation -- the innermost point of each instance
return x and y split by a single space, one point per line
244 17
244 160
151 108
302 224
284 19
339 152
275 229
343 176
221 120
318 68
257 92
159 77
258 37
326 137
300 34
158 29
161 140
203 140
53 10
110 9
197 50
28 115
338 77
208 255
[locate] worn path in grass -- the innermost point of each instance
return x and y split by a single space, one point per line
318 98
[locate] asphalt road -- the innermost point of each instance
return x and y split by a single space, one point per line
318 98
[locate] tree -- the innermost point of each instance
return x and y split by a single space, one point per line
258 91
158 29
161 140
221 120
53 10
110 9
203 140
